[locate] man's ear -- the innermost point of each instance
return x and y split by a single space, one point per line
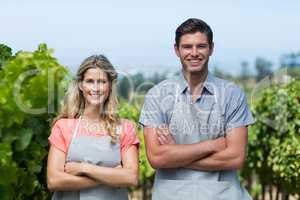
211 48
176 50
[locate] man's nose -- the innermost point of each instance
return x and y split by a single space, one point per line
194 51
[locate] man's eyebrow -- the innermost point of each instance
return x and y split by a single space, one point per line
186 45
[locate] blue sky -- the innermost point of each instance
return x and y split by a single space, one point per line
139 35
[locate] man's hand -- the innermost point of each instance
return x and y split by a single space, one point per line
164 136
219 144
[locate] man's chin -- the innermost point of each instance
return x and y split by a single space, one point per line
195 69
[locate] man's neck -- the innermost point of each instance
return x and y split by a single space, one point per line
195 82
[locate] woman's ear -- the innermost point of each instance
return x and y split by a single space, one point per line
80 85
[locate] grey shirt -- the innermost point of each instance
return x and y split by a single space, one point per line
232 108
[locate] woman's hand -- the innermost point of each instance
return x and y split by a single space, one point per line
74 168
164 136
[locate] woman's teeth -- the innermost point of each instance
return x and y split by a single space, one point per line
95 95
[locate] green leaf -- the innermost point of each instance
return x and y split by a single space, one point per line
25 136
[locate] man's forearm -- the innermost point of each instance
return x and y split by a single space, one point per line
180 155
163 152
232 157
223 160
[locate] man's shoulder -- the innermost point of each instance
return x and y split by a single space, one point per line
226 87
220 82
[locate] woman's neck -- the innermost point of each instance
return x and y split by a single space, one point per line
92 113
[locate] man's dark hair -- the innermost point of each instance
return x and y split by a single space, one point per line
191 26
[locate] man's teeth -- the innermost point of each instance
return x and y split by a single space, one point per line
195 61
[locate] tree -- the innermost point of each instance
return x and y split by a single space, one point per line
138 84
123 87
221 74
245 72
263 68
5 54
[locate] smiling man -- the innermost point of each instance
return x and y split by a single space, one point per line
195 125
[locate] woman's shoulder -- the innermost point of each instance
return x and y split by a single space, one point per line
129 134
128 126
65 123
127 123
61 133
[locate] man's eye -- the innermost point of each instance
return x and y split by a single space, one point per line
202 46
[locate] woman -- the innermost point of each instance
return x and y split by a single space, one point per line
93 153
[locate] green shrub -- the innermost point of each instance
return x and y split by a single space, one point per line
146 172
274 140
29 89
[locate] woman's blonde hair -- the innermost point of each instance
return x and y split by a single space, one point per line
74 102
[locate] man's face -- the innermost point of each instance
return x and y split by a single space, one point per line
194 51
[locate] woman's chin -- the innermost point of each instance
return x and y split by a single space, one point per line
94 103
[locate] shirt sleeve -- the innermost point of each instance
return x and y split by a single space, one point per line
57 138
151 114
129 136
238 113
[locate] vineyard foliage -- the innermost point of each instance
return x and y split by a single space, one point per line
274 140
33 83
29 87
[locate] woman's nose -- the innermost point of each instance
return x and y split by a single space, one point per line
96 86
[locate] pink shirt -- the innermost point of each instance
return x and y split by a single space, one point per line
63 130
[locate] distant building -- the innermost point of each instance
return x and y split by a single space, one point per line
290 60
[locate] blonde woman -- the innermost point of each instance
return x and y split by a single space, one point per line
93 153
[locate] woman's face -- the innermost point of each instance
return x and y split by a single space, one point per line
95 86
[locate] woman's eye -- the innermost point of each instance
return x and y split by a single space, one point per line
102 81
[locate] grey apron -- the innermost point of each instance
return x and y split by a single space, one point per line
97 151
189 124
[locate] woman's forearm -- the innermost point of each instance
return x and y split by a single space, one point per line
111 176
61 181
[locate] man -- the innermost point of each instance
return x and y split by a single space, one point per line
195 126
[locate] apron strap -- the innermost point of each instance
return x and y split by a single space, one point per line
76 129
118 130
176 100
72 139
